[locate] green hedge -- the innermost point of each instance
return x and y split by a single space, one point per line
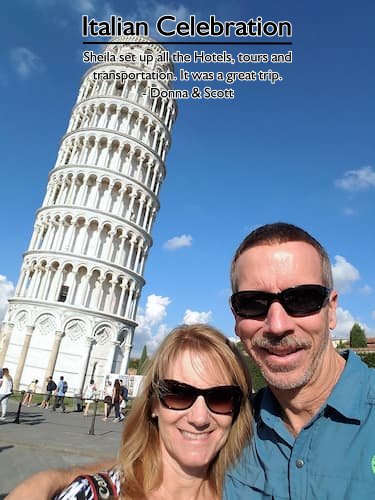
368 358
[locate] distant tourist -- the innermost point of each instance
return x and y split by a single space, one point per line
62 387
51 386
30 392
6 388
116 400
90 394
107 399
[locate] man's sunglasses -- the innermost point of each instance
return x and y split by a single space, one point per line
300 300
224 399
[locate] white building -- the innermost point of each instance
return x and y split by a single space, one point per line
75 303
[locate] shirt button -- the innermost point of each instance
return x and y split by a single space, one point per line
300 463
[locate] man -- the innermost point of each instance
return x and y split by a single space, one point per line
62 387
314 423
51 386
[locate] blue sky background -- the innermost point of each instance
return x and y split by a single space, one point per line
301 150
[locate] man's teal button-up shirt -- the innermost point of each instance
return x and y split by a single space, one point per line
333 457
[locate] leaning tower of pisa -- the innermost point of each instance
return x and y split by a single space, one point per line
75 303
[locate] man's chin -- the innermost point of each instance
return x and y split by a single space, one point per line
285 379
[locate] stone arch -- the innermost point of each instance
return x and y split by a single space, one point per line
20 320
123 119
80 289
92 237
103 333
45 324
105 292
93 289
75 329
79 234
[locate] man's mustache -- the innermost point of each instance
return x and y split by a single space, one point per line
272 341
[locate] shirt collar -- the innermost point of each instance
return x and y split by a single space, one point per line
269 412
351 389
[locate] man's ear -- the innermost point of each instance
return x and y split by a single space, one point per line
332 306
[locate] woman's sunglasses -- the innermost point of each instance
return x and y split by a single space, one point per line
300 300
224 399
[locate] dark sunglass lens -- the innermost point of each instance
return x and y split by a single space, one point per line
176 397
305 299
222 400
250 304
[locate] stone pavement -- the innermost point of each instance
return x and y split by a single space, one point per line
45 439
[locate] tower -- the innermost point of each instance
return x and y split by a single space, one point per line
74 308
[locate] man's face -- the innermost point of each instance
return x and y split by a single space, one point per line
288 350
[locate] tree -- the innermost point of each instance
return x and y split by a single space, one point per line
133 364
142 361
357 336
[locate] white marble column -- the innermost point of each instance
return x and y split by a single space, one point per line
53 355
6 333
23 355
85 358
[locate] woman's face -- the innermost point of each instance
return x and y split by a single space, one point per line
190 439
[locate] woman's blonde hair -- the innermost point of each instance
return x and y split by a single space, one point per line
139 454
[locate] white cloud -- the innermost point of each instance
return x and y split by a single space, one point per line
149 337
6 291
344 274
366 290
357 180
151 330
25 62
345 322
191 317
156 310
185 240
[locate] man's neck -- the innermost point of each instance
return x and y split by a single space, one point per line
299 406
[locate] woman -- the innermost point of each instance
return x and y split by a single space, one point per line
30 392
187 426
116 400
6 388
107 400
90 394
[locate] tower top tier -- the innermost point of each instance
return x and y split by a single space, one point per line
140 39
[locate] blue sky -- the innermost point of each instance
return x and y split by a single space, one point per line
301 150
